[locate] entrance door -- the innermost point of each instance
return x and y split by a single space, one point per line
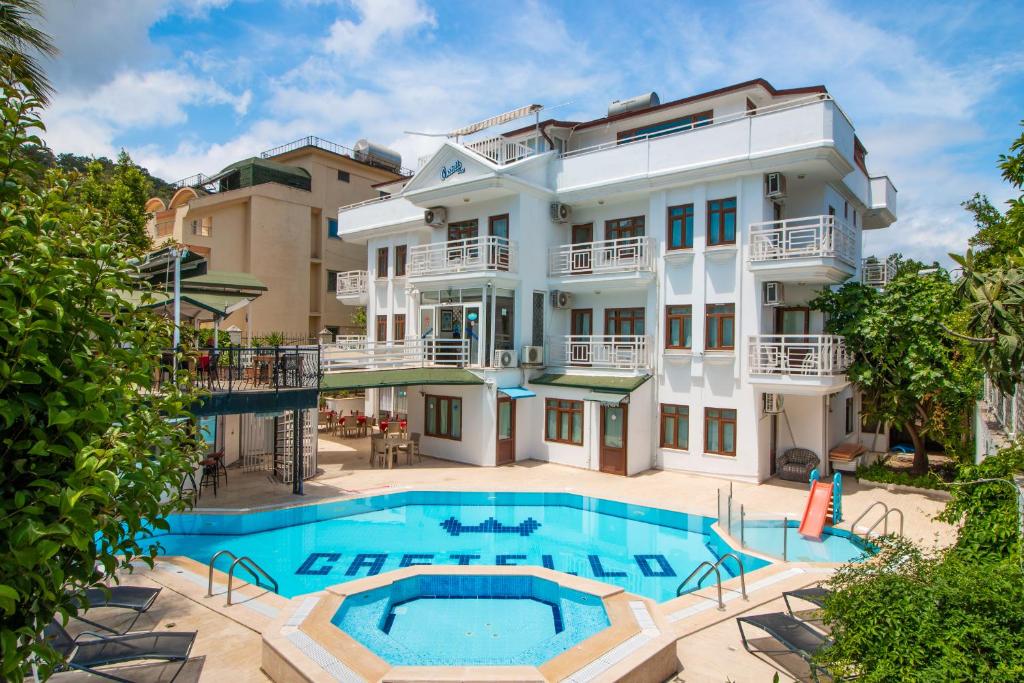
582 325
506 450
582 255
613 438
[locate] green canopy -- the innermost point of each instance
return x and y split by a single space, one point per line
613 384
370 379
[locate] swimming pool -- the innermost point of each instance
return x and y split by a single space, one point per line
646 551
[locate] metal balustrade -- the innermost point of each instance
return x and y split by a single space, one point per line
475 254
501 150
353 354
875 273
247 368
801 238
607 351
813 355
628 254
352 283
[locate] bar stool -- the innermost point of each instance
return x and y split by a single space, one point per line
211 474
221 467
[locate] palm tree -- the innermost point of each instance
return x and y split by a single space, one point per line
21 43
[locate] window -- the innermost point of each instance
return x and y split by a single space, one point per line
675 426
849 415
498 225
332 281
563 421
382 263
855 218
538 318
624 321
343 176
680 227
667 127
846 210
719 332
401 252
720 431
722 221
678 327
398 327
624 227
443 417
332 228
203 227
382 328
463 230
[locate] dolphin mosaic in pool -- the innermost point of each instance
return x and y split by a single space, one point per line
490 526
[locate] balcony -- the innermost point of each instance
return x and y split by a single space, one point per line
358 221
614 263
811 249
352 287
883 209
462 259
797 363
356 354
875 273
601 352
500 150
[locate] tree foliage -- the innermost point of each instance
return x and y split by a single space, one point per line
89 455
21 45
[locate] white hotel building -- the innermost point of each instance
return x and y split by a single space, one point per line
620 294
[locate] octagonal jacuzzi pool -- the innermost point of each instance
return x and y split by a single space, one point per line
486 620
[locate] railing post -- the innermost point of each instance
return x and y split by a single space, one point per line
785 539
743 541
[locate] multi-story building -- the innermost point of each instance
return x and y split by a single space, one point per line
623 293
273 216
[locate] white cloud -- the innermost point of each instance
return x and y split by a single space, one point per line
378 20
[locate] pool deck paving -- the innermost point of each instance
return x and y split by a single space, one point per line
709 648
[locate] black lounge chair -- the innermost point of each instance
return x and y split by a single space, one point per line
795 636
135 598
815 595
89 655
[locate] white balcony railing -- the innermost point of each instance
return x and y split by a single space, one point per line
352 283
487 253
801 238
501 151
608 351
816 355
875 273
352 354
629 254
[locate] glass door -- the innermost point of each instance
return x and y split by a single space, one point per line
582 327
506 447
581 256
613 438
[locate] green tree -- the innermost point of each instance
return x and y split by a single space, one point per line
909 372
121 195
92 460
21 44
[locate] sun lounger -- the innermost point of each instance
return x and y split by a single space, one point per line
135 598
795 636
101 651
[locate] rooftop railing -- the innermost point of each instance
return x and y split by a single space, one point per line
799 238
501 150
488 253
815 355
326 145
233 369
628 254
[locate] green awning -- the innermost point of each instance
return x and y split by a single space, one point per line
223 280
613 384
194 304
371 379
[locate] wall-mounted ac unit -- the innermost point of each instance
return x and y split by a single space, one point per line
436 217
560 213
561 299
505 358
774 186
772 403
532 355
772 294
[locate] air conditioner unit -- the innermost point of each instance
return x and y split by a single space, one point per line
772 294
561 299
505 358
532 355
772 403
774 186
436 217
560 213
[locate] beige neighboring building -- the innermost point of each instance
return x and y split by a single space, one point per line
274 216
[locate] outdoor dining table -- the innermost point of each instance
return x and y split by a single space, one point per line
392 446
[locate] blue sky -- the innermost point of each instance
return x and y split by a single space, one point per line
935 91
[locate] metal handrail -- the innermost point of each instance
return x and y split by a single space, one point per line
743 578
250 565
213 560
713 568
885 522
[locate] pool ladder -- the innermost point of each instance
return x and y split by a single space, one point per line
247 563
714 567
883 520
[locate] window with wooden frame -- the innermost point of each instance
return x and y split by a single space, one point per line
398 327
675 427
203 227
382 263
463 230
621 228
382 328
720 431
443 417
401 256
720 327
680 227
722 221
656 130
678 327
563 421
624 321
497 226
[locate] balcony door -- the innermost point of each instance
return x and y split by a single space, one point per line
582 325
614 422
506 447
794 322
582 251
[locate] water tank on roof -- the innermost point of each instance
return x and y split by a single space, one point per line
648 99
378 155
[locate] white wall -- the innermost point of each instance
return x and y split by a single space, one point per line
478 435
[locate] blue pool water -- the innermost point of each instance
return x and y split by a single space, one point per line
470 620
645 550
835 545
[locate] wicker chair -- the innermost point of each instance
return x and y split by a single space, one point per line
796 464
